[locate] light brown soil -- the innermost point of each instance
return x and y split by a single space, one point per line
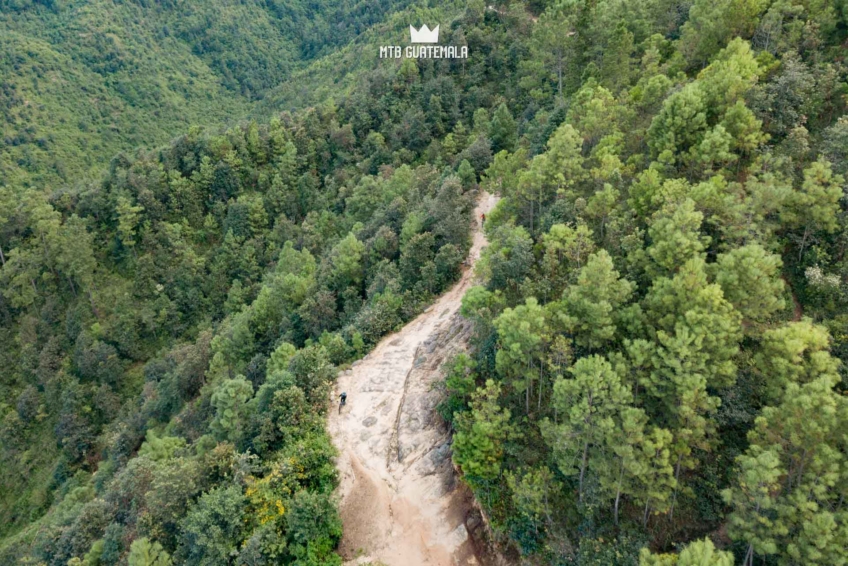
400 502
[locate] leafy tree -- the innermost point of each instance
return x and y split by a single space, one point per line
416 254
212 527
478 154
507 260
172 490
146 553
345 264
313 373
836 145
459 385
161 448
786 98
97 360
482 306
313 528
699 553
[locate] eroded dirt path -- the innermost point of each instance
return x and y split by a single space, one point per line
400 502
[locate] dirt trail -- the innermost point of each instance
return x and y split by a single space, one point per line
400 503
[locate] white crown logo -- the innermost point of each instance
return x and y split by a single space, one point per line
424 35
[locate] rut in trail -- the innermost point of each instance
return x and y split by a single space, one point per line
400 502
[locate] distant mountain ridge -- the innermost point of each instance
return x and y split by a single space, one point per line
82 81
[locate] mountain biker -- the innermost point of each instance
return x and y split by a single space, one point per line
343 397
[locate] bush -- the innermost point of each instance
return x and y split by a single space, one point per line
314 528
212 527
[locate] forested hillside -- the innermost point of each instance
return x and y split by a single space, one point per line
659 364
173 328
661 347
83 80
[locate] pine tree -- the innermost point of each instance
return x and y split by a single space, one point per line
589 308
554 44
750 280
789 498
675 237
794 353
637 462
616 63
564 165
503 130
128 220
532 492
231 402
814 208
522 336
566 250
687 313
478 445
680 124
587 406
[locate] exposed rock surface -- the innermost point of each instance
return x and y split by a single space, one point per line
401 504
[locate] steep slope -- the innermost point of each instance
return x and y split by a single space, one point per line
335 74
82 81
400 502
315 233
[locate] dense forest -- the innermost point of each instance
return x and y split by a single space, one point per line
658 373
173 327
82 80
661 347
